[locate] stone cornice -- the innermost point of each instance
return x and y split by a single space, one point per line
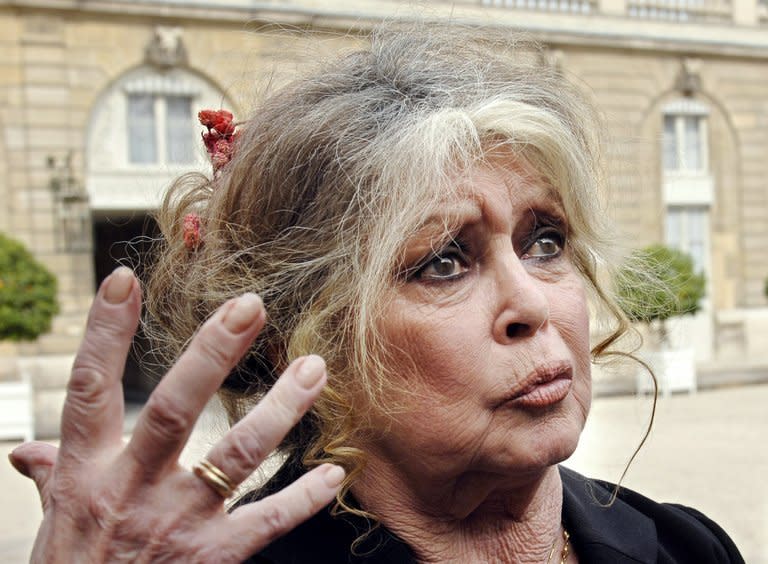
593 30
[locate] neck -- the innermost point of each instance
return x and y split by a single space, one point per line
471 518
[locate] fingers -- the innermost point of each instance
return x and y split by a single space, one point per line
92 414
168 417
35 460
255 436
257 524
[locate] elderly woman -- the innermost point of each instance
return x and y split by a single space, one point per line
421 220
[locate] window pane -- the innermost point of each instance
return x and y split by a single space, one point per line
692 145
686 230
179 134
142 144
669 144
674 228
697 237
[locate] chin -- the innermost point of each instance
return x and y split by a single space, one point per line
565 450
556 453
549 444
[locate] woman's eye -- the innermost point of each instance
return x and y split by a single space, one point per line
545 245
447 264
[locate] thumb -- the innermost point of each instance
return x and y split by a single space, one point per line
35 460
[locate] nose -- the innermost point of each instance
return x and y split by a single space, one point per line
522 304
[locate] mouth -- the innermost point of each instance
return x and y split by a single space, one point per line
545 386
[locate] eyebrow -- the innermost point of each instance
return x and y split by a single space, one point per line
443 226
440 228
461 212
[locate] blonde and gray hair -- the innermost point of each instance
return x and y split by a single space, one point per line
331 175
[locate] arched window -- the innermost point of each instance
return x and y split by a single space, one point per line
143 133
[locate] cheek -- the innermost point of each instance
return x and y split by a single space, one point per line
572 320
570 315
434 354
574 330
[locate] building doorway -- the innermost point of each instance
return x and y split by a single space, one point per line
125 238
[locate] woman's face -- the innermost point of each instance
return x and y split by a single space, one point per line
494 324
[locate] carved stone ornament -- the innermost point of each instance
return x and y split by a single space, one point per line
688 80
166 48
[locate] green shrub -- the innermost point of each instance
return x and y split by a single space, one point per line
657 283
27 293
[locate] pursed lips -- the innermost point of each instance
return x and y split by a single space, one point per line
547 384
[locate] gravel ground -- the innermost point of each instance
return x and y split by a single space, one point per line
707 450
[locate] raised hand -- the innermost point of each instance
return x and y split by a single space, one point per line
106 501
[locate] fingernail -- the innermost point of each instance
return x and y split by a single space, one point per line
334 475
310 371
21 468
119 285
242 313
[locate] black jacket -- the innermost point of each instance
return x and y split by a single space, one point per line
633 529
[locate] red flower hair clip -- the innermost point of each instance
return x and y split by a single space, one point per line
220 138
192 231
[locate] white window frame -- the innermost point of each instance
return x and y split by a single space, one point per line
160 89
688 191
680 111
684 238
687 186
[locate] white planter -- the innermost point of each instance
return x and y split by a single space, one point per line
48 375
675 371
17 417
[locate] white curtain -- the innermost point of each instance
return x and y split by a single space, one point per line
142 140
179 132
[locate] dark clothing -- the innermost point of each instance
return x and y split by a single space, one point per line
636 529
633 529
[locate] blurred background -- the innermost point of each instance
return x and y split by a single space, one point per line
98 104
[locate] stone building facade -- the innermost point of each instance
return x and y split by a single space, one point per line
97 100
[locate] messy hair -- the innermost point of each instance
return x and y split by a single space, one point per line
331 174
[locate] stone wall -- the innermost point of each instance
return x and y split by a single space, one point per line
54 65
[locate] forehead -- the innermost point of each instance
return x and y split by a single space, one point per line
495 187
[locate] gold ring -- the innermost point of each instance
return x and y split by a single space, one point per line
214 477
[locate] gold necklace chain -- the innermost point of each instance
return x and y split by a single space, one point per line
564 553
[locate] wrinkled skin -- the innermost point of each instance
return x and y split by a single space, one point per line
467 470
107 501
